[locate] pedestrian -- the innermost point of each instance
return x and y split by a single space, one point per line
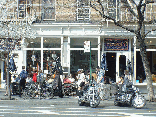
66 80
100 75
35 76
127 81
57 84
81 79
23 76
18 79
13 84
28 79
71 78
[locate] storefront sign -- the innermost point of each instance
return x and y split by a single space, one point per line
116 44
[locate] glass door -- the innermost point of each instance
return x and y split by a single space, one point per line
121 64
111 66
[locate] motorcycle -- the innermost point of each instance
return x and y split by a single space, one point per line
69 89
89 95
15 88
131 97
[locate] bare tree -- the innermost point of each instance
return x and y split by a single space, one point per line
138 11
14 29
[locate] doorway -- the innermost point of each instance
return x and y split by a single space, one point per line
122 64
111 65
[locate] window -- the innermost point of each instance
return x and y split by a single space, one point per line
48 10
140 73
150 12
83 10
23 8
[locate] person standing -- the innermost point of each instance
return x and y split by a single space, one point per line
66 80
35 76
100 75
23 76
81 79
127 82
57 84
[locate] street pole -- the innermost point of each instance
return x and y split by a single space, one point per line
90 66
8 75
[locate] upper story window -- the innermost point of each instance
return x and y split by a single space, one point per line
83 10
48 10
24 8
150 12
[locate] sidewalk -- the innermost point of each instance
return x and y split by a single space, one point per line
3 97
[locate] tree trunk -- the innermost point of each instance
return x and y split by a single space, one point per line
146 68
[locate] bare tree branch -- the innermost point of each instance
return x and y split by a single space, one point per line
131 7
140 16
133 2
93 6
110 18
149 32
101 6
144 5
139 4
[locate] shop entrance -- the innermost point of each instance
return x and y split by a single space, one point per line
111 65
122 64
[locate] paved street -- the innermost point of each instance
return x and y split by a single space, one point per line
66 107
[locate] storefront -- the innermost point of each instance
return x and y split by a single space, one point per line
139 74
118 52
41 54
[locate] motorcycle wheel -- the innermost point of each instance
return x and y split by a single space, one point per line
138 102
80 102
95 103
32 94
25 94
116 103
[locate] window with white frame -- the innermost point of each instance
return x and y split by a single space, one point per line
83 10
48 10
23 8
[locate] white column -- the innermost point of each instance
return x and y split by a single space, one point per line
68 55
99 51
42 54
62 51
1 67
134 80
61 76
117 66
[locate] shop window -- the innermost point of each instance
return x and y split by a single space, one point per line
49 59
83 10
33 60
81 60
79 43
33 43
52 43
140 74
48 10
150 43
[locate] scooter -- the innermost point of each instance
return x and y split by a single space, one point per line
131 97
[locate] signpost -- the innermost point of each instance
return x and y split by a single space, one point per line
88 49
